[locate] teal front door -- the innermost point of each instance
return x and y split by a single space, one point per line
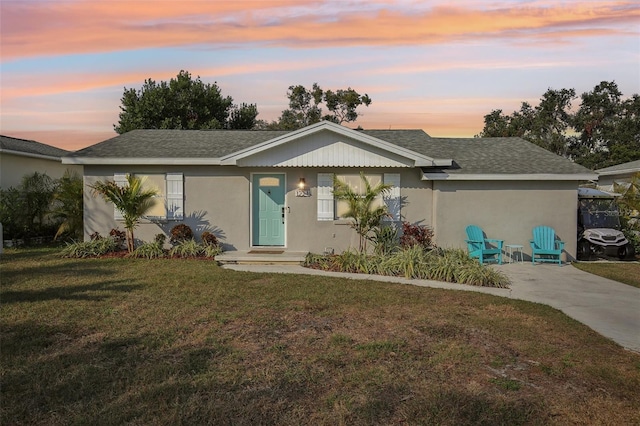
268 209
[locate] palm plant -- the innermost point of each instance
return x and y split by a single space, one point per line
132 200
360 206
68 205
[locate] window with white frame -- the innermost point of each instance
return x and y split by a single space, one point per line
331 209
169 200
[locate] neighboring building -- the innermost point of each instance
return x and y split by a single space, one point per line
244 185
619 174
19 157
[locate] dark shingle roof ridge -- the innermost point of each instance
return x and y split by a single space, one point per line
29 146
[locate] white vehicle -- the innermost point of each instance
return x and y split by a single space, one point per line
599 231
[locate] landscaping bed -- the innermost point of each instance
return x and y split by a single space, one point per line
453 266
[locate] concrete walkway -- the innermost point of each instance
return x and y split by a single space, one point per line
608 307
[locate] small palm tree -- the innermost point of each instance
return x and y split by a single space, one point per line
132 200
67 205
360 206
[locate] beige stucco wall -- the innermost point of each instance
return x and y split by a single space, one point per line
505 210
14 167
217 199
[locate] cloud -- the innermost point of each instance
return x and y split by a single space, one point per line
44 28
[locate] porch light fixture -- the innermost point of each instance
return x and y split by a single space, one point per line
302 190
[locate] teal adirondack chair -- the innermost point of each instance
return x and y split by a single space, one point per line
485 249
545 244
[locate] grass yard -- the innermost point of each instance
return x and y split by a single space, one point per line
628 273
112 341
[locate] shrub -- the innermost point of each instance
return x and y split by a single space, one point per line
385 239
414 262
93 248
160 239
208 239
210 250
413 235
181 232
186 248
409 263
119 237
152 250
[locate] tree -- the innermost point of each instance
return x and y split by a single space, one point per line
305 107
604 131
545 125
361 207
132 200
181 103
37 191
68 205
608 127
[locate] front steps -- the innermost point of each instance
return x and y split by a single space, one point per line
271 256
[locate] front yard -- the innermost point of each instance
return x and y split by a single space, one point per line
173 341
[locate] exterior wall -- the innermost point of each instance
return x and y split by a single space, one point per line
606 182
505 210
14 167
217 199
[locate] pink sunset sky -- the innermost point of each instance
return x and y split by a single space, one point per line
434 65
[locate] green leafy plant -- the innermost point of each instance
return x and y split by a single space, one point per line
360 206
92 248
153 250
413 262
68 205
186 248
132 200
385 239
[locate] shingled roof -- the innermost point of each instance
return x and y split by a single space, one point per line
30 148
474 156
630 167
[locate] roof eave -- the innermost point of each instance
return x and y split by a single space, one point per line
30 155
618 172
523 176
142 161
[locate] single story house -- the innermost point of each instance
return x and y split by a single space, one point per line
20 157
265 189
620 174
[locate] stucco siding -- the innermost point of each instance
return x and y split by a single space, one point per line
14 167
505 210
217 199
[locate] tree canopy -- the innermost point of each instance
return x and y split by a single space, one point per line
603 131
305 107
182 103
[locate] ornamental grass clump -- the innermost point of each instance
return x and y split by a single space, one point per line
453 266
410 262
153 250
93 248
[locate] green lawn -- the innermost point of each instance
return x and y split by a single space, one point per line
112 341
628 273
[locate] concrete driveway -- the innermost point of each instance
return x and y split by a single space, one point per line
608 307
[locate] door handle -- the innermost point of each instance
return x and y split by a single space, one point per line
282 210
